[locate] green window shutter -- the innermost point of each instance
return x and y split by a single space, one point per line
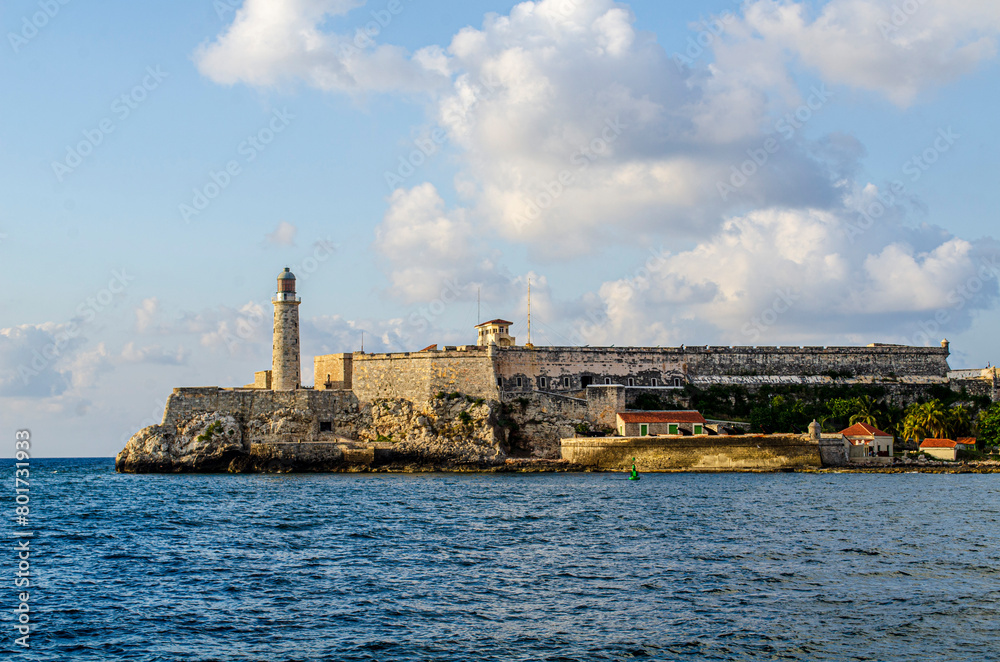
672 429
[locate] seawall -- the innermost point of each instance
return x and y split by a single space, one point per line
697 453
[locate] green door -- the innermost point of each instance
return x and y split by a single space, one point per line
643 430
672 428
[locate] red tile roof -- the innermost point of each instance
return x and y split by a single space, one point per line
938 443
661 417
430 348
496 321
864 430
968 441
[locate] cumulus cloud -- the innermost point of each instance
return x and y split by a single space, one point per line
272 42
795 275
575 132
894 48
433 252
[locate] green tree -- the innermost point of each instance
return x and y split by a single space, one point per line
959 422
866 410
927 419
988 428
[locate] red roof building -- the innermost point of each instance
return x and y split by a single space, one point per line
867 441
642 423
943 449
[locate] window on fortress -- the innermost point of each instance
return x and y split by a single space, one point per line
586 381
500 381
607 380
566 382
541 382
677 381
519 382
631 382
325 426
654 381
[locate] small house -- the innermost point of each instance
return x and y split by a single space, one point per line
942 449
966 443
867 441
642 423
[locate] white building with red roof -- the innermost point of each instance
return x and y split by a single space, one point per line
642 423
943 449
867 441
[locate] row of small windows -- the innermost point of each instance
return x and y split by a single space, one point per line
587 380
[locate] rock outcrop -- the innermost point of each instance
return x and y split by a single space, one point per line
450 431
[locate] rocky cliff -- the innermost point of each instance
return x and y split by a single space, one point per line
244 431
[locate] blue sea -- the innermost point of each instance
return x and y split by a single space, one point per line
508 567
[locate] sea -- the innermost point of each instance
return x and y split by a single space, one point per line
469 567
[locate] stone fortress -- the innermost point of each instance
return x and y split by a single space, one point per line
479 404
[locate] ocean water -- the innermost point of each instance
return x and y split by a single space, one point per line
510 567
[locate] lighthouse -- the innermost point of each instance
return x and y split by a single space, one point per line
285 365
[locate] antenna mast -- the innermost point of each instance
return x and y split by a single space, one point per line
529 313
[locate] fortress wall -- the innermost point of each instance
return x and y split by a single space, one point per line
337 368
244 404
700 453
643 364
880 361
419 376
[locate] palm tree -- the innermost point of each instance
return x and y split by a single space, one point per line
928 419
959 422
867 410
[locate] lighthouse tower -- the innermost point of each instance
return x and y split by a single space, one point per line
285 366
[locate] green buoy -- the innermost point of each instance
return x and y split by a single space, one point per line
635 474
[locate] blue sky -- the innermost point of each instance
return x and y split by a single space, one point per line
594 147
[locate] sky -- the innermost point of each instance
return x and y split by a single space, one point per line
682 173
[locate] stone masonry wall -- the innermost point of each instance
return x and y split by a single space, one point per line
565 369
701 453
337 368
419 376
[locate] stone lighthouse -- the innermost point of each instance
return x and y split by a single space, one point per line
286 369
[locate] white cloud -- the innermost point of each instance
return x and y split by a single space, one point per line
36 360
433 253
283 235
795 275
154 354
895 48
272 42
